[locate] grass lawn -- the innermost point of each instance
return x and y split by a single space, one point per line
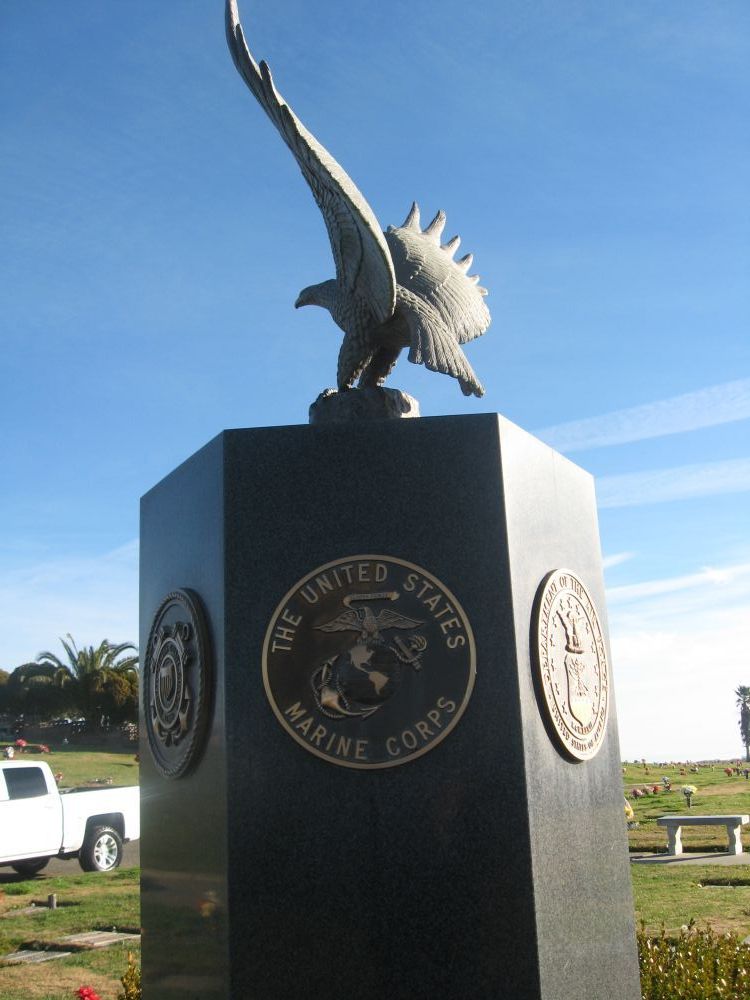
81 767
670 896
86 902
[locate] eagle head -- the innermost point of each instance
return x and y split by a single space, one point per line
323 295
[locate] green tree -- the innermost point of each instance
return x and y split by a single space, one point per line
31 689
120 697
6 696
742 694
85 675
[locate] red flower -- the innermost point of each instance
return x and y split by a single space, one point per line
87 993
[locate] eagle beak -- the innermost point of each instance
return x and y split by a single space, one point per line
299 302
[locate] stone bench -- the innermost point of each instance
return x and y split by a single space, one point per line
674 826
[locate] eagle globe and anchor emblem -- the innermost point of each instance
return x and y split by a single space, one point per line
369 676
362 678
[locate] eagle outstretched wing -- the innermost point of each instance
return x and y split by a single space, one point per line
392 619
345 622
363 262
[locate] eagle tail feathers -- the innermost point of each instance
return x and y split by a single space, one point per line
433 346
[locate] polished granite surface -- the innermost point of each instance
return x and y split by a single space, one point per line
491 866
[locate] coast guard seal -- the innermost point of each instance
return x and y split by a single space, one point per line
369 661
572 673
177 683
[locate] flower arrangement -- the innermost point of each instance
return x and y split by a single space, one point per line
87 993
655 790
20 745
629 814
728 771
43 748
688 791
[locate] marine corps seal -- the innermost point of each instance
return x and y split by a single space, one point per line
571 664
369 661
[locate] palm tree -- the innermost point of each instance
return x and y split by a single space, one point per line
87 671
742 694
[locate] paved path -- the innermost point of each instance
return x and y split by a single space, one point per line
131 859
690 859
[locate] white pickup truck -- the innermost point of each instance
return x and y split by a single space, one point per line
38 821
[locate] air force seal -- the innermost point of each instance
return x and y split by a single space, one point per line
572 674
369 662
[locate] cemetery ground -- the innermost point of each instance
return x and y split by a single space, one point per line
674 894
86 901
667 896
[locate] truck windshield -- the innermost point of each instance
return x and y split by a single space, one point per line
25 782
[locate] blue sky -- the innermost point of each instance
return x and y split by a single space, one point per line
155 234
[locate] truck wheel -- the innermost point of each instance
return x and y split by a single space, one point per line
102 850
30 867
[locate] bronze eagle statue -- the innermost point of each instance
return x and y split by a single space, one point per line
392 290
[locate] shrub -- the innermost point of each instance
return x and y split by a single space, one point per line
698 965
131 981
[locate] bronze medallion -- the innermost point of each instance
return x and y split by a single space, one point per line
571 663
177 683
369 661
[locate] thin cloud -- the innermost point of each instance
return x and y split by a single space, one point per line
616 559
680 483
93 598
707 577
718 404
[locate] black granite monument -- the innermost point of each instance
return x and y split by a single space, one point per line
380 753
